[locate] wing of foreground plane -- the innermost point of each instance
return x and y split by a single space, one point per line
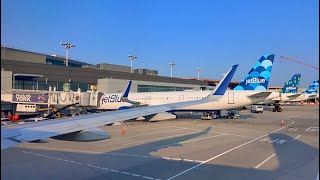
12 135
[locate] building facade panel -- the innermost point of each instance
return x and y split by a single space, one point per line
25 56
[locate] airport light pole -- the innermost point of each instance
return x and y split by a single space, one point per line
171 67
198 69
67 46
132 57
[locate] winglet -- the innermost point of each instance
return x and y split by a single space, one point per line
224 83
126 92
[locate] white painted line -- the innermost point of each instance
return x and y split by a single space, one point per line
134 155
88 165
183 172
177 159
259 165
94 166
42 155
230 134
117 154
317 176
182 142
297 137
188 160
61 149
147 177
198 161
312 128
165 158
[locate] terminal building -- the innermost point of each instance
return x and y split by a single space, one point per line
35 76
22 69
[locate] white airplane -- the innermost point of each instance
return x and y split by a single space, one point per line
84 128
310 93
250 91
288 92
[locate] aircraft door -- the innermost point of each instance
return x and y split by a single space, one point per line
147 99
230 97
181 98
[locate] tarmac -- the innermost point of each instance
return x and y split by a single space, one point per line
269 145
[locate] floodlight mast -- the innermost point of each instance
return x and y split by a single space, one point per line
171 67
67 46
198 69
132 57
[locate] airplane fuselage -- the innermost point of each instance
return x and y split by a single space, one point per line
230 100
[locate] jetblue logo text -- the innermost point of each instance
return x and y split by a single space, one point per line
291 88
255 80
111 98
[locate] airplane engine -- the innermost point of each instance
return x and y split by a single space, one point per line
94 134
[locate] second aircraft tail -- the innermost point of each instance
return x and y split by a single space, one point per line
292 85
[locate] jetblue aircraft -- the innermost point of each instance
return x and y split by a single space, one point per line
288 92
84 128
250 91
310 93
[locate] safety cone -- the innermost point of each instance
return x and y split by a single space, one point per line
282 122
123 131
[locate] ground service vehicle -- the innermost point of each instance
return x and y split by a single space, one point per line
257 108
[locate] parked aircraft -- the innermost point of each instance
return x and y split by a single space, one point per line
310 93
250 91
84 128
288 92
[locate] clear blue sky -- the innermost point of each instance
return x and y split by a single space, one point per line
212 35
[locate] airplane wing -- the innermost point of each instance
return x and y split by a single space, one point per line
312 96
293 96
15 134
260 95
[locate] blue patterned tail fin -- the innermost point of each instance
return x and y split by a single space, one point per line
292 85
313 88
258 77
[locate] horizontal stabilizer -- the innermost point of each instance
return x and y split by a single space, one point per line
260 95
293 96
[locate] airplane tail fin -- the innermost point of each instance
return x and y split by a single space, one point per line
259 76
125 94
313 88
224 83
292 85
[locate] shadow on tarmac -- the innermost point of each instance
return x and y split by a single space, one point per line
296 160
